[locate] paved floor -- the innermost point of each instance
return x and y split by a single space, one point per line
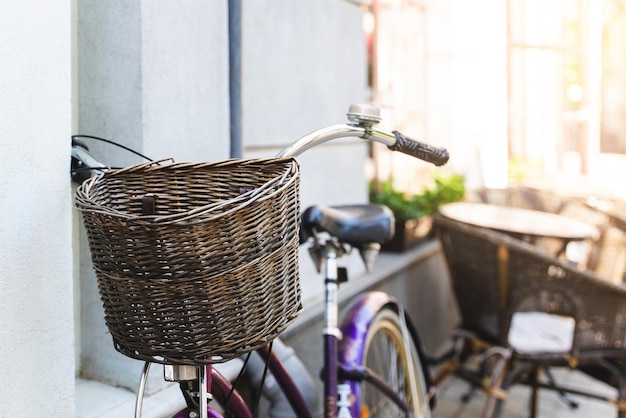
550 405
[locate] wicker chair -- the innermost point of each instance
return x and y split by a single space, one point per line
610 261
606 256
507 290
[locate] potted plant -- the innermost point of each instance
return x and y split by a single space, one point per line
413 213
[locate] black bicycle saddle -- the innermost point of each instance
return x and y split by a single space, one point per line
353 224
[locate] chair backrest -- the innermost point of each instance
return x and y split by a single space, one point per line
606 256
519 197
494 275
472 261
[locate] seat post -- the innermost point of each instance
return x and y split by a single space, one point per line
331 331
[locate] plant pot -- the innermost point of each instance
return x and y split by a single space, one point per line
409 233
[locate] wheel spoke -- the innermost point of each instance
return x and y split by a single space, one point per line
386 355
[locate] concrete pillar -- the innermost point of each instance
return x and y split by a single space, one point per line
36 327
152 75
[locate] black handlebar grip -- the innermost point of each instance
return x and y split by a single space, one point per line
425 152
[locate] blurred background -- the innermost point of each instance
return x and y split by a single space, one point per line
522 91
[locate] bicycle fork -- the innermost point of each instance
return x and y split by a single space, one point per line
174 373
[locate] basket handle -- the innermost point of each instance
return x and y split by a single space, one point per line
148 205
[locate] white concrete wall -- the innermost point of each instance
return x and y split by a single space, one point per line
153 76
185 79
36 326
303 65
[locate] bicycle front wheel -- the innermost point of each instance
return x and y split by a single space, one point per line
392 355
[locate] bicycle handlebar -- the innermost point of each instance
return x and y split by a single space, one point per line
417 149
361 127
361 118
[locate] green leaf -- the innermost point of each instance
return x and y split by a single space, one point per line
448 187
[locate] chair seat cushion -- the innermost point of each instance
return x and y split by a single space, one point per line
539 332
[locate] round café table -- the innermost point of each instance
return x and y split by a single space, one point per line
525 224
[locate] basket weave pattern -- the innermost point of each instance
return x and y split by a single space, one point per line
213 274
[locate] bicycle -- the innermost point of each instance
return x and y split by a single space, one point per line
373 361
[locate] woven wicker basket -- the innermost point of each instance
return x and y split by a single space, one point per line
212 274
